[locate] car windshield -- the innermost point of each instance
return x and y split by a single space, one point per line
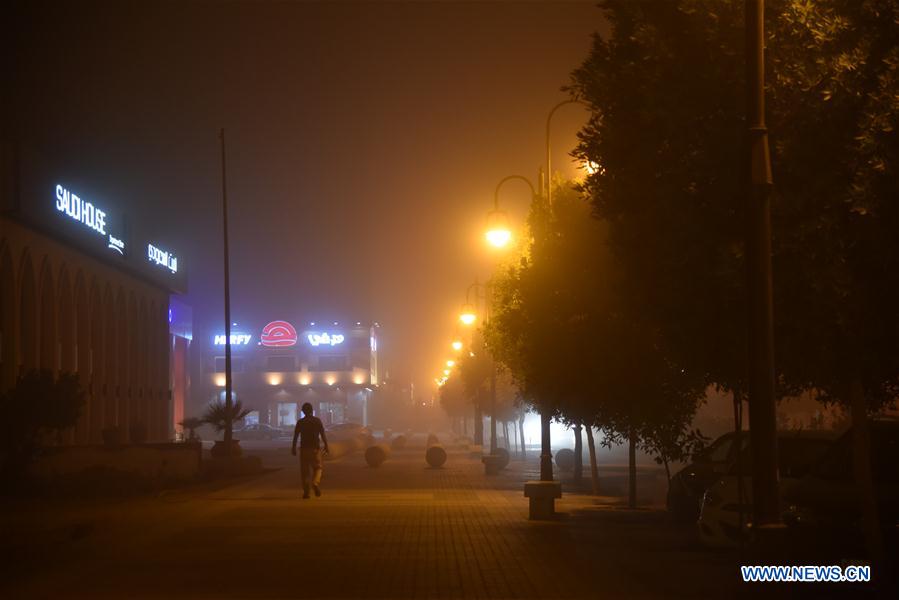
794 454
720 449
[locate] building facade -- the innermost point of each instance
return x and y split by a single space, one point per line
81 293
276 367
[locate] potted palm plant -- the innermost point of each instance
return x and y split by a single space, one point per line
191 424
221 416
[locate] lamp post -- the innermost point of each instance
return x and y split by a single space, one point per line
546 457
468 318
228 435
762 411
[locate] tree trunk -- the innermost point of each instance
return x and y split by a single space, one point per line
864 477
594 471
632 470
578 454
478 425
506 435
524 450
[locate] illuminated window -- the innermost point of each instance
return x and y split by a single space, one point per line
331 363
280 363
236 364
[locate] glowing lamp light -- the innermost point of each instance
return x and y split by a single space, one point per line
358 379
331 381
498 232
274 379
451 363
457 346
304 380
467 316
220 380
591 167
446 372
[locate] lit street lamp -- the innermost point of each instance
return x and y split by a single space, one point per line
467 315
457 345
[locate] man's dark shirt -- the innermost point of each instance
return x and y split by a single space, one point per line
309 429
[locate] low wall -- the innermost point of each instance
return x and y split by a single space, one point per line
156 463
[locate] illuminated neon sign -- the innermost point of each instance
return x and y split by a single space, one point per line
87 214
81 211
325 339
237 339
278 334
163 258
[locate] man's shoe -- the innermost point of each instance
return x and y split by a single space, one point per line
318 491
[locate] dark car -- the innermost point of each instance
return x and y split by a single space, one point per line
258 431
349 429
688 485
825 504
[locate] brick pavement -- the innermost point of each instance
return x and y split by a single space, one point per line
400 531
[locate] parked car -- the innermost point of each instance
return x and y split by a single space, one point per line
347 429
258 431
719 521
825 504
688 485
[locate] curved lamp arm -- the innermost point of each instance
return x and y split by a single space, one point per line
549 171
509 178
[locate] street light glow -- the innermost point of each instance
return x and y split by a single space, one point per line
498 232
457 346
450 363
468 315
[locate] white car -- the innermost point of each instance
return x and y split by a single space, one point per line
719 518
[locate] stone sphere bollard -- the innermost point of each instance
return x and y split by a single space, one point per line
376 455
565 459
433 440
504 457
399 442
436 456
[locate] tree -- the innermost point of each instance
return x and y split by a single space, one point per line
571 344
453 399
220 416
44 406
666 89
192 424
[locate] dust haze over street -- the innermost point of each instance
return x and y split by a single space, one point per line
449 299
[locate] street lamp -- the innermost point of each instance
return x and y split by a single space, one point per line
450 363
498 233
457 345
467 315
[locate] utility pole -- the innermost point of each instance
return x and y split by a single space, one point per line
762 411
228 383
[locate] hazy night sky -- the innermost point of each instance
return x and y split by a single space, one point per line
364 142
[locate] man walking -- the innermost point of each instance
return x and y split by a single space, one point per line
308 429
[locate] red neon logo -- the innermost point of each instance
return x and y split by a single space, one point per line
278 333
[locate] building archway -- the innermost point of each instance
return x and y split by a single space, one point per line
122 365
110 370
65 329
48 350
8 355
83 355
27 315
96 364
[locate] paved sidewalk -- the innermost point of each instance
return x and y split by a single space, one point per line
400 531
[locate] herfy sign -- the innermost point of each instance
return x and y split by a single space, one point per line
325 339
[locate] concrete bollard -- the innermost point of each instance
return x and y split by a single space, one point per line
376 455
399 442
435 456
565 459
